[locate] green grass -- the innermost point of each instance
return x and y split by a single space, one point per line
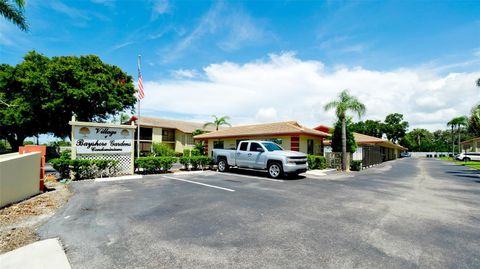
474 165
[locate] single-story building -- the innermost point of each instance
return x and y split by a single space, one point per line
175 133
370 150
471 145
290 135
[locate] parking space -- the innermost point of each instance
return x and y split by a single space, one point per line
394 216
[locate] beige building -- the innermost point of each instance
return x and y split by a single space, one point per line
289 135
174 133
471 145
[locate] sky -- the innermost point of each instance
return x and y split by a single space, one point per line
265 61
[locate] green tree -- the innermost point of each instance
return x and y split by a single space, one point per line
43 93
369 127
217 122
474 121
452 124
337 136
13 11
395 127
198 132
342 105
478 82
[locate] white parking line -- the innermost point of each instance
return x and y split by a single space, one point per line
255 177
203 184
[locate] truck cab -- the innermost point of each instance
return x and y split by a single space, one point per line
261 155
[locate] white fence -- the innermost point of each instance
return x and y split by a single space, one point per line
430 154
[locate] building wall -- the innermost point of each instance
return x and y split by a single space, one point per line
317 144
19 176
183 141
157 135
471 146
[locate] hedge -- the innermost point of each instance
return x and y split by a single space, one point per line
356 165
152 165
316 162
84 169
196 162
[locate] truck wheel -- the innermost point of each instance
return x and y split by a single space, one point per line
222 165
275 170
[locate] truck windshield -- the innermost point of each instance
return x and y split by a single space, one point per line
271 146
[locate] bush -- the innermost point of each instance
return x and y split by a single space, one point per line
316 162
186 152
185 161
356 165
152 165
162 150
84 169
178 154
196 152
205 161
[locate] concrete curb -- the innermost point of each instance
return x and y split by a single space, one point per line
42 254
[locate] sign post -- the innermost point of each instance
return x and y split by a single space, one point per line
104 141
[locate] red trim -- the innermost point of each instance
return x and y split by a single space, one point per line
295 143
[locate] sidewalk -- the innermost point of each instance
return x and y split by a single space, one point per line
42 254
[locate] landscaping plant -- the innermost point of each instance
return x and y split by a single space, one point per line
316 162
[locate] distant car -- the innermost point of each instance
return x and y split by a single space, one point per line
405 154
468 156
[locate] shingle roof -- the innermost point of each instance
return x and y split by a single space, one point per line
267 129
470 140
367 139
184 126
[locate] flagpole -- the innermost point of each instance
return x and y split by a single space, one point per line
139 99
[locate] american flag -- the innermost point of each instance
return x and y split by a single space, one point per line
141 93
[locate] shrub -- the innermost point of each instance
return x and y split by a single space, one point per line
186 152
178 154
356 165
151 165
195 162
200 147
162 150
196 152
205 161
185 161
316 162
84 169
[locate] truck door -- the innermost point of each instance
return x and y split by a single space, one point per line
241 157
256 158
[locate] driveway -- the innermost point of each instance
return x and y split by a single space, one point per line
403 214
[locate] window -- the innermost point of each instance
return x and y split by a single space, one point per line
310 146
255 147
271 146
189 139
218 144
145 133
243 146
168 135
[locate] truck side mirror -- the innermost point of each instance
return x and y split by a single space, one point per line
259 149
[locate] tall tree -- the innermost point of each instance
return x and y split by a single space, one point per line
345 103
461 121
452 124
13 11
337 143
395 127
478 82
474 121
217 122
43 93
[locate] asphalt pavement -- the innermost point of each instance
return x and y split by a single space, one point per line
407 213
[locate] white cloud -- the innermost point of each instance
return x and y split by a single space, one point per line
184 73
284 87
266 115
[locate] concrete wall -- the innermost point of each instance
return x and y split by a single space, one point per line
19 176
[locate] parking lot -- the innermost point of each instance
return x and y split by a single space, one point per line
402 214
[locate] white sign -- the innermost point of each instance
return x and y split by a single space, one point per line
90 139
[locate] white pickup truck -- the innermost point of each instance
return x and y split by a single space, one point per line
261 155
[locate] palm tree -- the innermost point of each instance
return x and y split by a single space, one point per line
452 124
458 122
12 10
461 121
478 82
342 105
217 122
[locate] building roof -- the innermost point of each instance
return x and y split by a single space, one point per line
470 140
362 139
265 129
184 126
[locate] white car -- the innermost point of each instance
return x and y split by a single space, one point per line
468 156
